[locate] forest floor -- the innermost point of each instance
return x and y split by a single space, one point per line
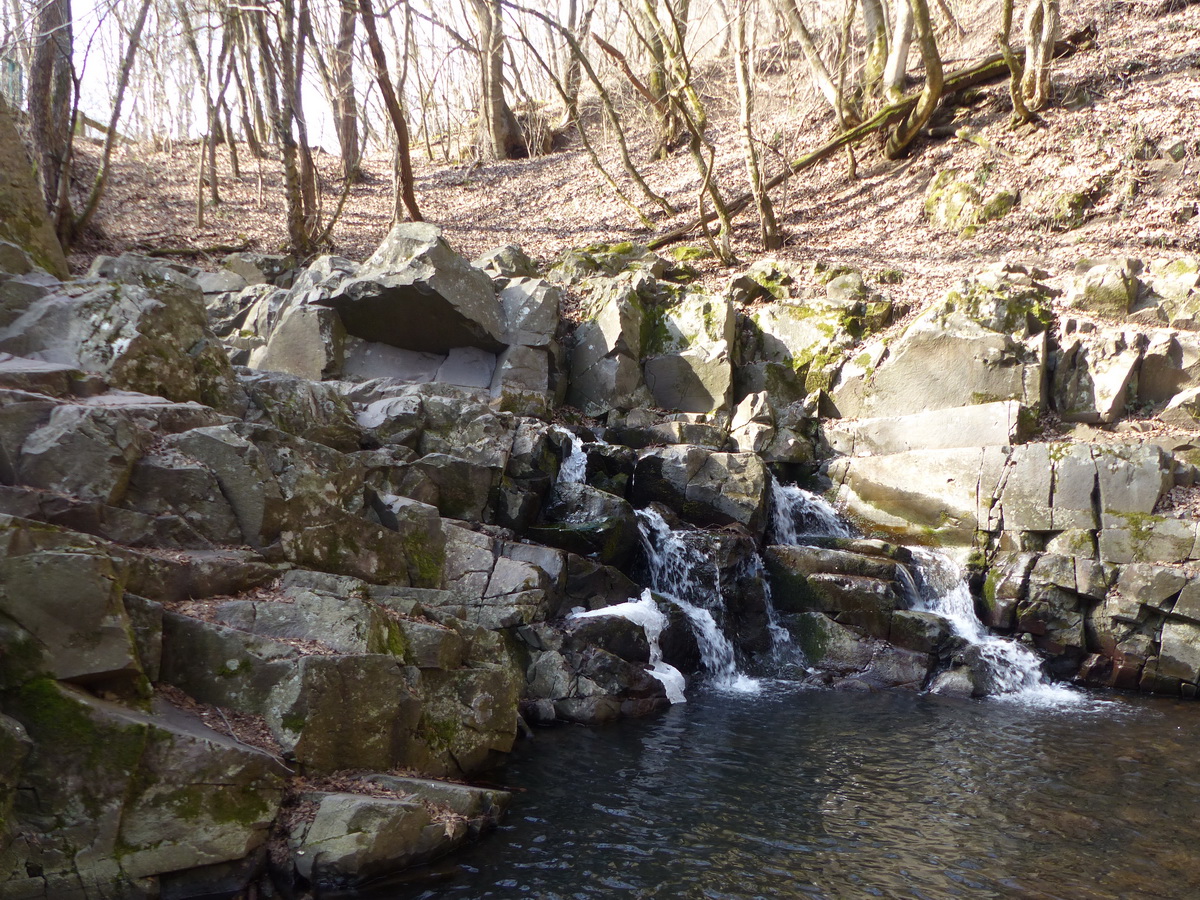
1119 111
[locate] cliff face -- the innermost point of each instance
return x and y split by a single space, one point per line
266 527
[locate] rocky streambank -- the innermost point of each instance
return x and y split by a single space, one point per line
289 555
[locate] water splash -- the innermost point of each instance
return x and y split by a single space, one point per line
677 571
574 466
645 612
797 514
1013 672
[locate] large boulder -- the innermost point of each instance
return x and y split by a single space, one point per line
415 293
1096 378
990 331
606 356
688 353
707 488
142 326
23 220
112 796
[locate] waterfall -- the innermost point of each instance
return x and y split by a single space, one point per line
645 612
797 514
1013 671
574 466
676 570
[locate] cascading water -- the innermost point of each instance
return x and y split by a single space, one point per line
1012 670
676 571
645 612
574 466
797 514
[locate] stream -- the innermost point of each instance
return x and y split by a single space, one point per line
800 793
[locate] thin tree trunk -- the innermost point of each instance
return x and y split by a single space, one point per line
395 113
932 91
896 69
101 182
347 109
1041 31
875 23
51 89
817 69
768 229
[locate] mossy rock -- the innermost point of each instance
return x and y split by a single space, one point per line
958 205
23 219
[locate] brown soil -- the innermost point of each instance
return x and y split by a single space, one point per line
1115 110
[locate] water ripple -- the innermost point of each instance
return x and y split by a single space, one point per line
838 797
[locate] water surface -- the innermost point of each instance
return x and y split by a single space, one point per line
795 793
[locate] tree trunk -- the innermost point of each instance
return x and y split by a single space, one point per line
896 70
816 66
1041 31
51 93
101 182
932 91
404 187
875 24
768 229
499 132
347 106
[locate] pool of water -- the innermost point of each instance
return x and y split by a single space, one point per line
800 793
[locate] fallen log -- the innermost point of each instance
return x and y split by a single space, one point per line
992 69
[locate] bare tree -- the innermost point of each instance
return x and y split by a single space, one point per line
1041 31
406 198
500 135
51 101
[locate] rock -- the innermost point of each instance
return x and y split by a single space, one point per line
953 203
1108 287
226 282
990 331
66 605
459 489
708 488
944 495
304 408
1179 656
790 349
531 310
956 682
1096 378
131 794
415 293
983 425
508 261
1184 410
259 268
1170 366
606 355
244 476
153 335
354 839
308 341
23 220
591 522
688 353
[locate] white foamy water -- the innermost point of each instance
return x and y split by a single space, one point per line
1013 671
574 467
676 572
645 612
797 514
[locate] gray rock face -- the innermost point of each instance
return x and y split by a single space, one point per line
415 293
143 328
1109 287
606 370
308 341
989 331
352 838
1097 374
162 787
709 488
